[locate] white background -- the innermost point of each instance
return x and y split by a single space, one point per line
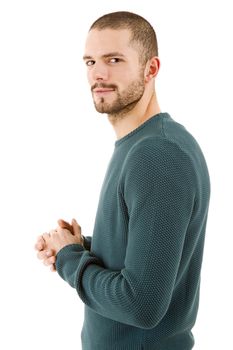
54 149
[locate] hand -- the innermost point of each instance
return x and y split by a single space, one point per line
49 244
61 237
45 254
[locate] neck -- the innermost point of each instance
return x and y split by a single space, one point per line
146 108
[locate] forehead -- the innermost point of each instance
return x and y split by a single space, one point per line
100 42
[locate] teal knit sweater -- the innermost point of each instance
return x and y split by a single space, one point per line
139 274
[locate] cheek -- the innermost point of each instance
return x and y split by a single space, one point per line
89 75
89 78
126 76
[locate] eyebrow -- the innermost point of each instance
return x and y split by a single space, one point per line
106 55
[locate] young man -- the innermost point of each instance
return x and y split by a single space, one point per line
139 275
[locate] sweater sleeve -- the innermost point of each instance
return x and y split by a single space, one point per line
158 189
87 242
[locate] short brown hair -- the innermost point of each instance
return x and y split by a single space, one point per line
142 33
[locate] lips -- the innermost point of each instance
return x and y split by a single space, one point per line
103 90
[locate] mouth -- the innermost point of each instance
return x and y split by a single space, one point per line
103 91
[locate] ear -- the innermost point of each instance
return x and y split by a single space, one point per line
152 68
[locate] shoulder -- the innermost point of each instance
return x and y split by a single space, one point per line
158 160
157 149
155 166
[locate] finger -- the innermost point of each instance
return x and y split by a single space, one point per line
76 227
52 232
64 224
53 268
44 254
49 253
50 261
46 237
41 255
40 244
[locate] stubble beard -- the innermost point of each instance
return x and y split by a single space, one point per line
124 101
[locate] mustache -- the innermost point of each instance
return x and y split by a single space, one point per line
103 86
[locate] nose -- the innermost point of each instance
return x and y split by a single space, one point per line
99 72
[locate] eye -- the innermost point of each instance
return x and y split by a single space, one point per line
114 60
90 63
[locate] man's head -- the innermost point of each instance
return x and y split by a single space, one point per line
142 34
121 57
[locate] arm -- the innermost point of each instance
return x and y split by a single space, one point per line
159 196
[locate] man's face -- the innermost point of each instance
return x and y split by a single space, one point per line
114 73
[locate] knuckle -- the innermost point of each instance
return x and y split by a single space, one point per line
48 253
46 262
51 260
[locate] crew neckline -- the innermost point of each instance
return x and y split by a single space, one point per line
148 121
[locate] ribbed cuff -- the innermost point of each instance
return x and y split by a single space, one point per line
67 261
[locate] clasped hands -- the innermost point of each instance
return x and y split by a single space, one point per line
49 244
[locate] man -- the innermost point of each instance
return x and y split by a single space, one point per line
139 275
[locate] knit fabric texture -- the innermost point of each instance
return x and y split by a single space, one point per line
139 273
